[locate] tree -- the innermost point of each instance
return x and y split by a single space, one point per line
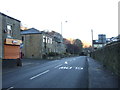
78 46
75 47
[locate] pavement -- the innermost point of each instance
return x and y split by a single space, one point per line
33 61
100 77
25 63
74 72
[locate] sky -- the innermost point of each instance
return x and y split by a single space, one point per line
78 17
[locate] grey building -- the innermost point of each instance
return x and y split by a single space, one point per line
97 44
36 44
32 43
100 42
39 44
58 40
102 38
10 38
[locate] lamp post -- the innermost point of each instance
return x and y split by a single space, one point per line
62 45
62 26
92 39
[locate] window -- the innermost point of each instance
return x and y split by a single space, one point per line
47 40
9 31
51 41
44 39
22 38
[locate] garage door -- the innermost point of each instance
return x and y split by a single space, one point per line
11 52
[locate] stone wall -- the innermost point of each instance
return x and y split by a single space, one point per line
109 56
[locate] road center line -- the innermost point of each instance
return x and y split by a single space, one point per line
58 66
39 74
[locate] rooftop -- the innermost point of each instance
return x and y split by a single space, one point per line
31 31
9 16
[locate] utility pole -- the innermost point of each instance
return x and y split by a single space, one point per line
92 39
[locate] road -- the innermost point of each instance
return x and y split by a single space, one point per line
64 73
72 72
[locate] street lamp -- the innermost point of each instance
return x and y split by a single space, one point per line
62 26
62 45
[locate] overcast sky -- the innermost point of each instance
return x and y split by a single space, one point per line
81 16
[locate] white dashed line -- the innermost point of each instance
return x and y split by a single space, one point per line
58 66
10 88
39 74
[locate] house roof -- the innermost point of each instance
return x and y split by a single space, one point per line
9 17
31 31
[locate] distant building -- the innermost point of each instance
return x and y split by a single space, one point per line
100 42
97 44
102 38
58 39
113 40
10 38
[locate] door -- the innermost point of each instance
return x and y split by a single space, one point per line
11 51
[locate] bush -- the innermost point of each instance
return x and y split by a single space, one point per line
53 54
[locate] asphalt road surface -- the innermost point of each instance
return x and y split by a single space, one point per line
64 73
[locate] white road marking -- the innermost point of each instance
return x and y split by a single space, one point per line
66 62
10 88
58 66
65 68
39 74
73 68
77 67
70 68
81 68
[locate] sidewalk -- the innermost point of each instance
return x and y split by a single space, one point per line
32 61
25 63
100 77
